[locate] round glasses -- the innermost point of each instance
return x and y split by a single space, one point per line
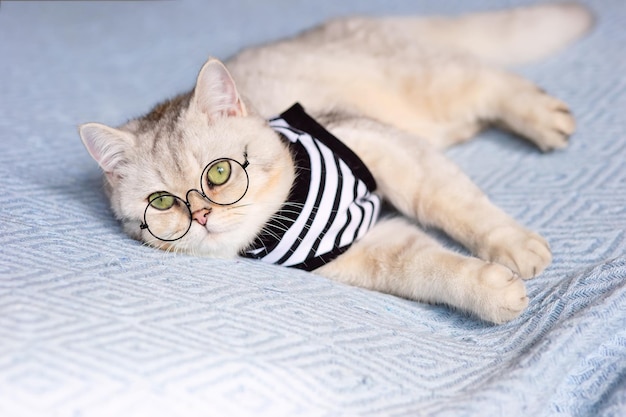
223 182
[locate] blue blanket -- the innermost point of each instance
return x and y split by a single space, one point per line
94 324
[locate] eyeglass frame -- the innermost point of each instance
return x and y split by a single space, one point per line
144 225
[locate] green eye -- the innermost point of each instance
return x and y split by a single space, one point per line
219 173
161 200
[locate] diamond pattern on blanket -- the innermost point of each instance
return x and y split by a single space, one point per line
94 324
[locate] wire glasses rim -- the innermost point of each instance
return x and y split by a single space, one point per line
201 192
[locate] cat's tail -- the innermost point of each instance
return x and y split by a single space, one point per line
514 36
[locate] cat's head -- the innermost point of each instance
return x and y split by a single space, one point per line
159 167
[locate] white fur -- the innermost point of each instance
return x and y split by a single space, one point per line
394 90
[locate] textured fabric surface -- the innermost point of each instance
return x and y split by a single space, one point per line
94 324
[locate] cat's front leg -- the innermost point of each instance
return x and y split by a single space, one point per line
423 184
447 199
396 257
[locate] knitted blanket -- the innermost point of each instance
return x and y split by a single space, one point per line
93 323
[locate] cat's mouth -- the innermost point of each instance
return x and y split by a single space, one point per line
212 230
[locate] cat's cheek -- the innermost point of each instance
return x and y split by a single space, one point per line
134 230
165 246
200 240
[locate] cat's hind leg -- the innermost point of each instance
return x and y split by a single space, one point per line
461 97
397 258
447 99
490 96
434 77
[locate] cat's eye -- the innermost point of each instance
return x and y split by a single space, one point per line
225 181
219 173
169 218
162 200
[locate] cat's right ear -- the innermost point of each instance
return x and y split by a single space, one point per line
106 145
215 94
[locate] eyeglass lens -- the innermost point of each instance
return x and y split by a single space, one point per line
168 217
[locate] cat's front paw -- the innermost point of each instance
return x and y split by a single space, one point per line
520 250
501 294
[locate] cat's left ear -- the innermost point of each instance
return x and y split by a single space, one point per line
109 147
216 94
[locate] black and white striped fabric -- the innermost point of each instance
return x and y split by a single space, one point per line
331 205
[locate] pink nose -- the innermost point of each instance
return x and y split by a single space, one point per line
200 215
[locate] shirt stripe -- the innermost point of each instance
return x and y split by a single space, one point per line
332 202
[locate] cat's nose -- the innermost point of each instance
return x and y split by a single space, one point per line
201 215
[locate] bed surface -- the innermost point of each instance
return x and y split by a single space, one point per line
94 324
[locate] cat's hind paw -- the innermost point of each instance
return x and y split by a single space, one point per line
540 117
553 123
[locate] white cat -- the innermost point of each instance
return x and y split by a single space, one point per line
206 173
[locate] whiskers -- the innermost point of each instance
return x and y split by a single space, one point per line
236 206
237 210
229 223
281 221
184 246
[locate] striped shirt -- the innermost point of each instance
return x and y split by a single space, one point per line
331 204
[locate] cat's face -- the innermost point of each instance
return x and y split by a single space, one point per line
199 174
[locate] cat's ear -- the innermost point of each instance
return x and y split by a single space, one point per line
106 145
216 94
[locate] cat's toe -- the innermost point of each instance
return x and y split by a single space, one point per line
524 252
531 255
503 292
555 126
540 117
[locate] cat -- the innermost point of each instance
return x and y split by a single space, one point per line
206 173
